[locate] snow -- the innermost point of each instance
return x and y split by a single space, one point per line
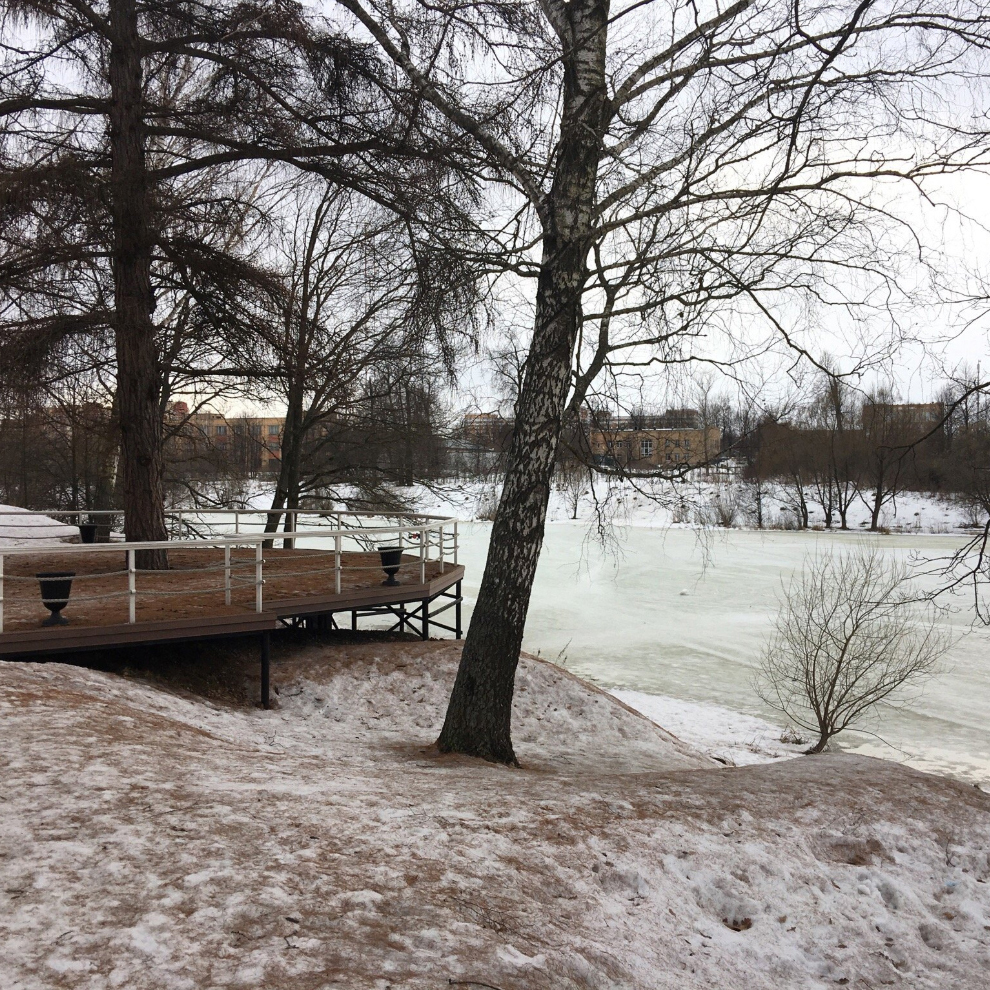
153 839
671 610
730 737
20 527
662 504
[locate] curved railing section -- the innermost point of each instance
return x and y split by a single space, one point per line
217 554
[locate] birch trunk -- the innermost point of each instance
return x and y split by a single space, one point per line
478 721
138 372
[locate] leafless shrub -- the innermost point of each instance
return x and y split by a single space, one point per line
783 521
721 508
572 479
849 633
487 505
973 513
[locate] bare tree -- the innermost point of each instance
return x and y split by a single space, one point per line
849 634
368 306
125 128
658 173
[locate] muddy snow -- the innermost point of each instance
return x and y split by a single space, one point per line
154 839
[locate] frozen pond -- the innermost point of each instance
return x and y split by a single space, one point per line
675 616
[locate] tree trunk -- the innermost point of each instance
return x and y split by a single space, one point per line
875 511
138 371
479 713
287 487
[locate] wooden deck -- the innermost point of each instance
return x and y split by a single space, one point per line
188 602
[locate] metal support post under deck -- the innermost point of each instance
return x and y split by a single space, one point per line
266 662
426 618
457 613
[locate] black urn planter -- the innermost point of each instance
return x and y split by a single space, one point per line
391 561
55 588
87 532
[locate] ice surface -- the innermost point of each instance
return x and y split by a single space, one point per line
623 623
671 610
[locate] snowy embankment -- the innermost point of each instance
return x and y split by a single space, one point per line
662 504
151 839
22 528
729 737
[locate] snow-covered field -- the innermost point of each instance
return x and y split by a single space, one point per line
728 737
662 504
150 839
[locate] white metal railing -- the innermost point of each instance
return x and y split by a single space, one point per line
336 533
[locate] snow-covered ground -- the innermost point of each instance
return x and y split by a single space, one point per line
673 611
21 528
729 737
663 505
151 839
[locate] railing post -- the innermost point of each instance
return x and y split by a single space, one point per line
237 521
422 556
258 578
442 538
455 543
336 562
1 592
226 573
179 525
131 589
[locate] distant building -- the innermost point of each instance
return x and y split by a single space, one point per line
487 431
653 447
254 442
908 418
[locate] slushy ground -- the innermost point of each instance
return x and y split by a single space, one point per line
685 614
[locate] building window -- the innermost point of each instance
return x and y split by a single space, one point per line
273 430
221 431
645 448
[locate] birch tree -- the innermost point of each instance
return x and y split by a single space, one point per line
659 166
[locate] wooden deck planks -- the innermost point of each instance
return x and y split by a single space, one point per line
170 620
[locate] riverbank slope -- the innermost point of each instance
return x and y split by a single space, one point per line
152 838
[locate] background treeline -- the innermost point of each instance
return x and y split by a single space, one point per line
394 426
844 447
62 450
